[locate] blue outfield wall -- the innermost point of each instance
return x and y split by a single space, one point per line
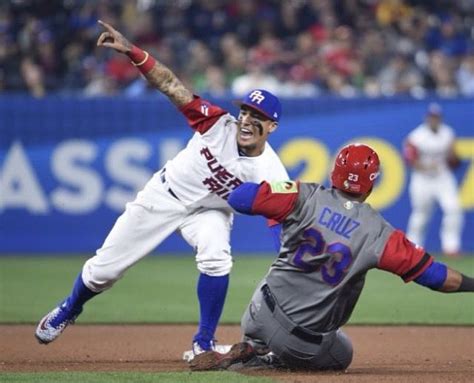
68 165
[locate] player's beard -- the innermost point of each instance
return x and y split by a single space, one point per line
247 149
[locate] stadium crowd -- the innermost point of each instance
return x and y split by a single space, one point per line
294 48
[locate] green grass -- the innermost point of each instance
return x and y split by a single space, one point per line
162 289
386 299
128 377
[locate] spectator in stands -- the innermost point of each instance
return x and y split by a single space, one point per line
341 47
400 76
257 76
233 57
447 37
465 75
33 77
389 12
200 58
442 74
374 52
298 84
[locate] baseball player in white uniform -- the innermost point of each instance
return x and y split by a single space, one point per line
429 150
188 195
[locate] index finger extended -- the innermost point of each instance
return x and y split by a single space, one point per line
106 26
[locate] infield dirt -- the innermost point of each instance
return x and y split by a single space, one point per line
381 353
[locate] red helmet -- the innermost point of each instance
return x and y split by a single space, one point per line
355 169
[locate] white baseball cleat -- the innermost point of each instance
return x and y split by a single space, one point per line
189 355
54 323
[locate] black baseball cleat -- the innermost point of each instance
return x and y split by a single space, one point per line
212 360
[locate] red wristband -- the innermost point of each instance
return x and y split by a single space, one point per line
141 59
136 55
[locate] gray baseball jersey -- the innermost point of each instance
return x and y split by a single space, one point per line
328 243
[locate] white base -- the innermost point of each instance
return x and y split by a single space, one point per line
188 356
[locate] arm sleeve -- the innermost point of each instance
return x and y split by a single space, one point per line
242 200
402 257
276 200
410 152
434 276
201 114
242 197
276 231
453 159
273 202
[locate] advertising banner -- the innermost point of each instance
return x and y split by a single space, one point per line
69 165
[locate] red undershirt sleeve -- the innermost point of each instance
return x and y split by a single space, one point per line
410 153
402 257
201 114
274 205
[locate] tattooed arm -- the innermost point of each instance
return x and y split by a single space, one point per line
159 75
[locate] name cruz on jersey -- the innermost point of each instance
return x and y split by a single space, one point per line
338 223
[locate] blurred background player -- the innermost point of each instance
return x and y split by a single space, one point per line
429 150
188 195
330 240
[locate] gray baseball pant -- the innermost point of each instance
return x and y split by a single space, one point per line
264 323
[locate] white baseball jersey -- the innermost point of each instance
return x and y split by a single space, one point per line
210 167
431 148
433 181
189 196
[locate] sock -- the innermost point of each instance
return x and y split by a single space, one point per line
80 294
211 294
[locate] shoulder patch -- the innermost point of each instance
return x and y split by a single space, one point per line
284 187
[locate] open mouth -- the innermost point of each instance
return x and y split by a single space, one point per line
246 133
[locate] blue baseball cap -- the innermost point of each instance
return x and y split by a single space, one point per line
434 109
264 102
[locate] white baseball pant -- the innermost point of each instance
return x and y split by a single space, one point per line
424 192
150 219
